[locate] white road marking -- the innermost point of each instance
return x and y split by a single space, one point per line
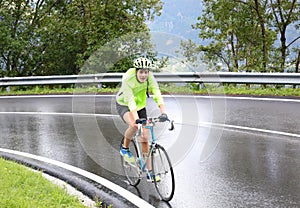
201 123
279 99
251 129
114 187
57 114
123 192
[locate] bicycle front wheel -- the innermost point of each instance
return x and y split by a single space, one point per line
131 170
162 167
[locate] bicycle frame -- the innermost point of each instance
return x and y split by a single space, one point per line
161 166
143 163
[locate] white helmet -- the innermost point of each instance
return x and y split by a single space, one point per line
142 63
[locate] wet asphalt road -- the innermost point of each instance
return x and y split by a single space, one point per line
218 162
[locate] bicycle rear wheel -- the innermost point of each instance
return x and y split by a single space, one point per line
131 170
162 166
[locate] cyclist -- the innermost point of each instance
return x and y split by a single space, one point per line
131 105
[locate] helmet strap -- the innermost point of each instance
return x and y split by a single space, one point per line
147 92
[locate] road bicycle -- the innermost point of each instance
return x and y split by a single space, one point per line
161 163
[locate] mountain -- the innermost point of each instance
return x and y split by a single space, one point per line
177 18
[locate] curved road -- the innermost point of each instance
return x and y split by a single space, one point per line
227 152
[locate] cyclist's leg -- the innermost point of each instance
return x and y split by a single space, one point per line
145 150
128 118
145 147
131 130
129 133
144 138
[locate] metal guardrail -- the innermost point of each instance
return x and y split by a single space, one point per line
185 77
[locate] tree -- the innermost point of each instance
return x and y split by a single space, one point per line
242 34
235 34
297 62
43 37
285 14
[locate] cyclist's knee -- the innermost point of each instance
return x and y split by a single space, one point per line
144 138
129 133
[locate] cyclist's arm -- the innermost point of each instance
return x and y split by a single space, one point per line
162 109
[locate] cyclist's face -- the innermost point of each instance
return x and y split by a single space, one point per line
142 75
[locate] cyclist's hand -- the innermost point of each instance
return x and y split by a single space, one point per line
163 117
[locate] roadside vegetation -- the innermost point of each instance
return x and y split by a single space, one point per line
190 89
40 38
21 187
232 90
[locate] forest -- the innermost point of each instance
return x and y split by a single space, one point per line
250 35
59 37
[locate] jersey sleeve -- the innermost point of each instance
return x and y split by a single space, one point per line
129 95
154 89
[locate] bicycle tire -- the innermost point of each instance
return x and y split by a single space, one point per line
131 171
162 166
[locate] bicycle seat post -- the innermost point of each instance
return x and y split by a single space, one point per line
139 131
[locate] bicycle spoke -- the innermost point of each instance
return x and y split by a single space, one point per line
162 167
162 172
131 170
130 165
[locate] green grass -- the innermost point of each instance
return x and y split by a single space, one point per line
21 187
45 90
262 91
216 89
190 89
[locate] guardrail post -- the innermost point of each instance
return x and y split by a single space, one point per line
201 85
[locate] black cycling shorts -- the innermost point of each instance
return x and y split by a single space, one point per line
122 109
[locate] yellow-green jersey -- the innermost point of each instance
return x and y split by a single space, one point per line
134 93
